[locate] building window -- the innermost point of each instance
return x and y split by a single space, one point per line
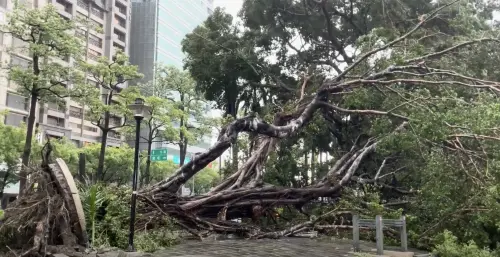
115 45
75 125
120 35
94 40
114 134
17 102
82 4
120 22
55 121
56 107
89 128
93 55
67 6
75 112
97 12
115 120
18 61
19 46
14 119
80 33
96 25
121 8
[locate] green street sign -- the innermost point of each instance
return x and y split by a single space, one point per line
159 155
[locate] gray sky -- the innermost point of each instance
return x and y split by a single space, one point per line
232 6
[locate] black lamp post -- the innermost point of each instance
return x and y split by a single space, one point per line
140 110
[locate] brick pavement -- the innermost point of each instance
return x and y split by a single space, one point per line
287 247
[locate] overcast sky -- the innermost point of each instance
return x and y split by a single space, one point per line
232 6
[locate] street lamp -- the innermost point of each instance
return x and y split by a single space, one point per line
140 110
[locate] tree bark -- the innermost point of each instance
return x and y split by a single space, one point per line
182 138
232 110
147 175
4 183
27 143
104 140
102 152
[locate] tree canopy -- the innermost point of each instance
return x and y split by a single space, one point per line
394 99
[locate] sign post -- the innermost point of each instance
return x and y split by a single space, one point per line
159 155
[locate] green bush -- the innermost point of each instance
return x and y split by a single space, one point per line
108 217
449 247
1 214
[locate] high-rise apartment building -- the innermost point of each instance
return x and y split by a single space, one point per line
113 17
158 28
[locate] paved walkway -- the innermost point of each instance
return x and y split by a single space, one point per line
287 247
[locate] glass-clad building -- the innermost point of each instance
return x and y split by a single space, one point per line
158 27
157 30
176 18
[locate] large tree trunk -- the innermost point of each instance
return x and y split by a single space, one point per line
232 110
27 143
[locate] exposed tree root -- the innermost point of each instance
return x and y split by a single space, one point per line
41 217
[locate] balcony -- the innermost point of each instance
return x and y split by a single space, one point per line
55 130
15 119
97 12
56 107
82 4
64 7
121 9
120 22
55 121
17 102
119 38
75 112
93 55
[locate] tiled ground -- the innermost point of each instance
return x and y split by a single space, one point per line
287 247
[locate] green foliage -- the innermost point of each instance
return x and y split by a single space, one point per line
112 220
187 107
41 34
110 76
449 247
160 170
11 146
1 214
154 240
93 200
118 166
220 60
203 181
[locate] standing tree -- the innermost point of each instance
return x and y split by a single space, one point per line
223 64
157 125
11 145
179 87
110 111
40 37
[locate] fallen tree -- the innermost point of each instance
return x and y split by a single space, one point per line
47 214
239 194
